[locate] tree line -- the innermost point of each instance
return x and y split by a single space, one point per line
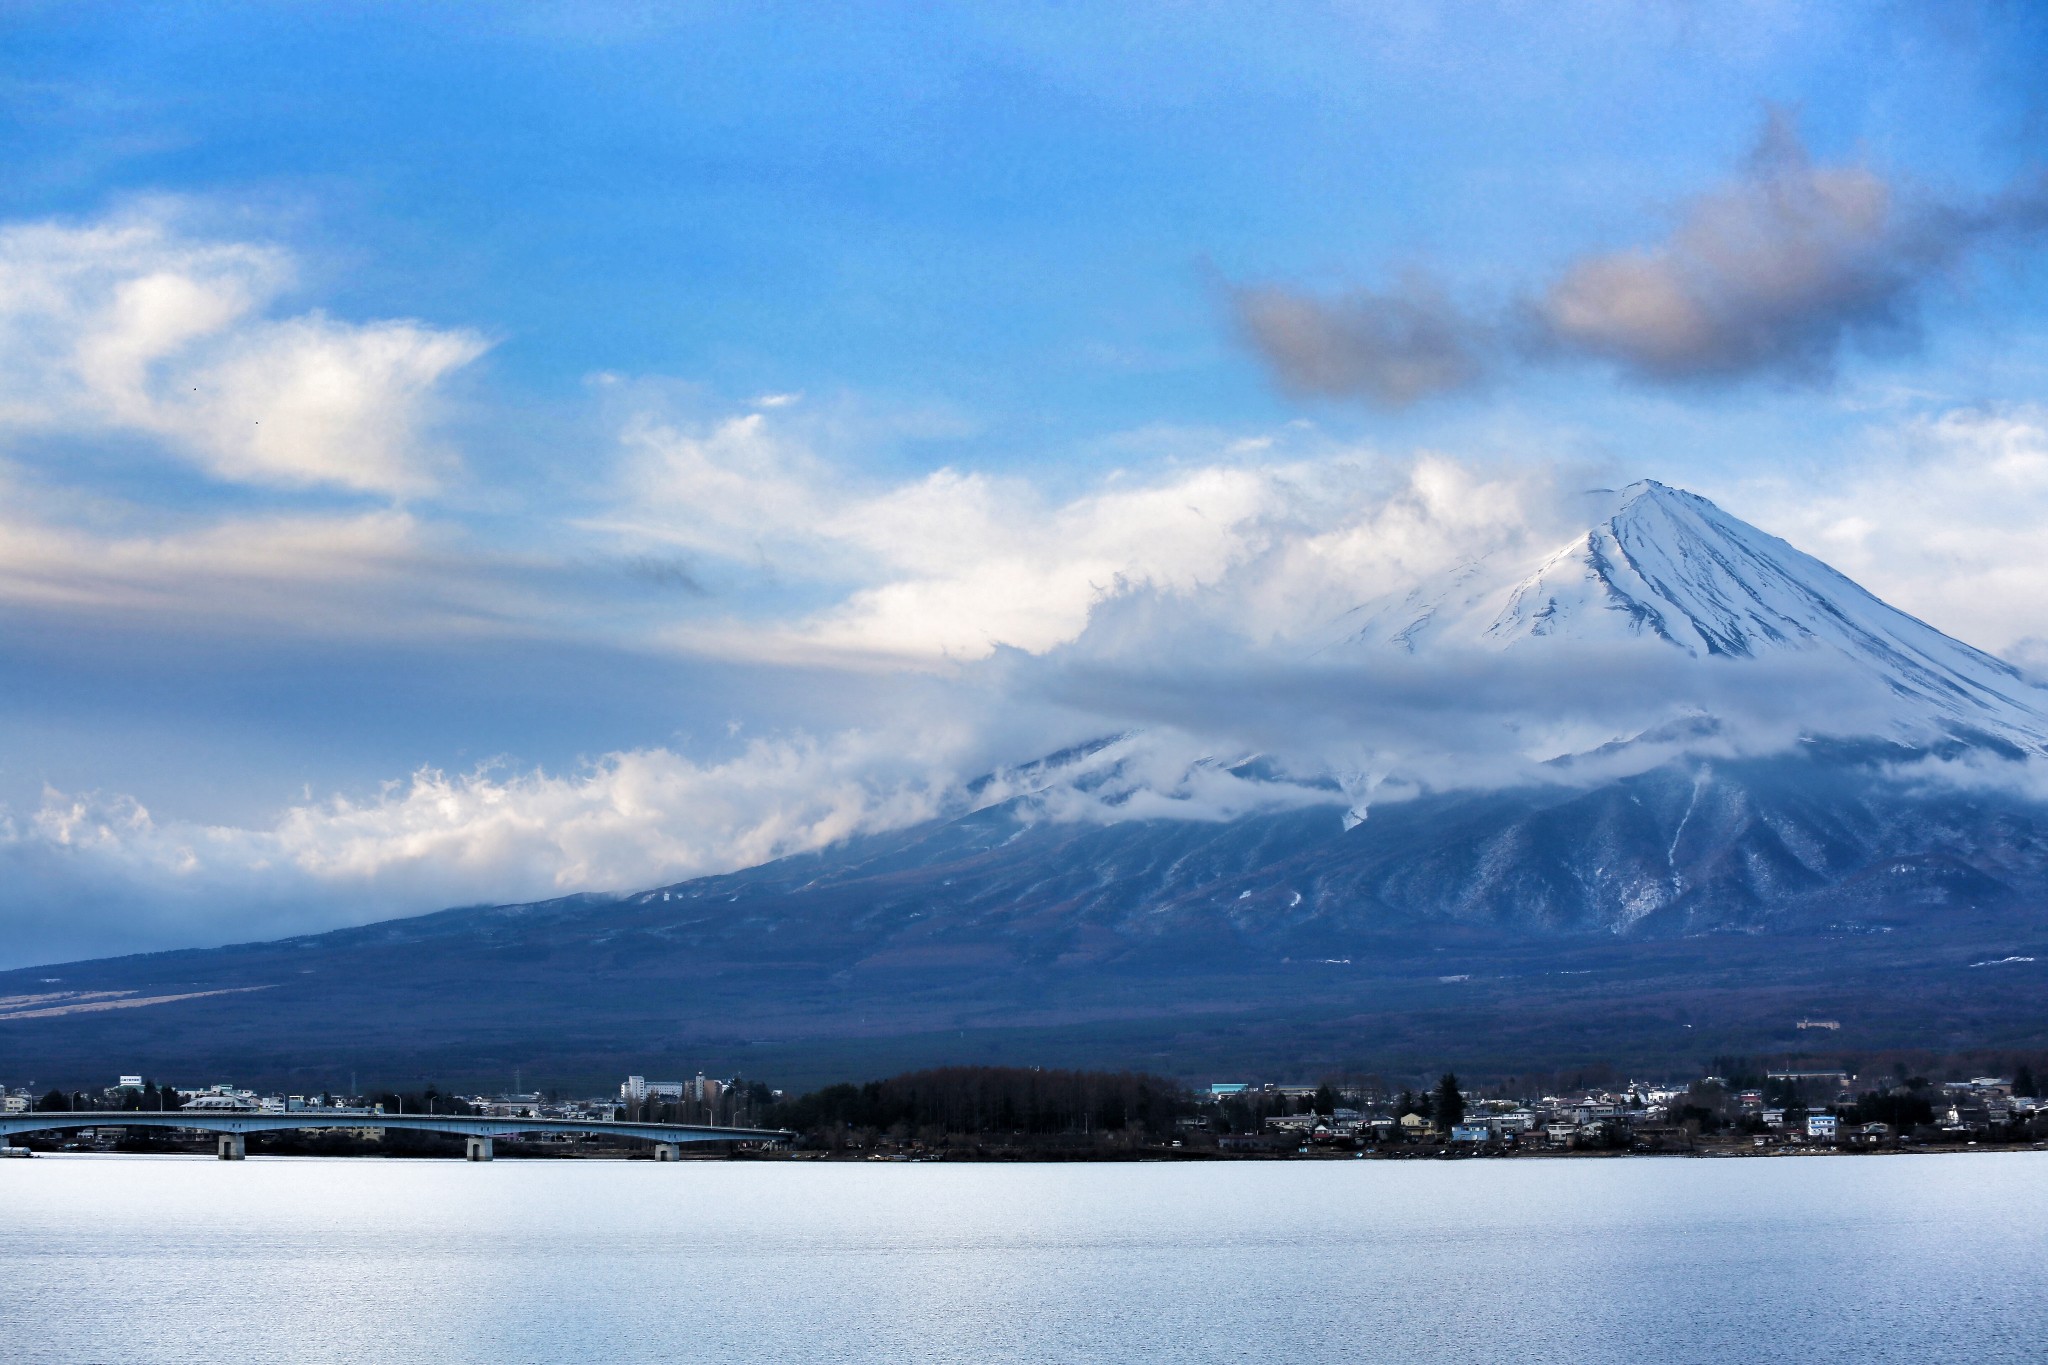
151 1097
993 1099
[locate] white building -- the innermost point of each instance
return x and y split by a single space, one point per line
639 1088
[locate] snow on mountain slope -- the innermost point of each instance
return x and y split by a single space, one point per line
1672 570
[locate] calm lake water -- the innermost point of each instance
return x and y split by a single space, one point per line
1934 1258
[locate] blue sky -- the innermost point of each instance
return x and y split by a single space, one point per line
702 407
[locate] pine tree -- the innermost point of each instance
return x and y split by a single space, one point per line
1450 1103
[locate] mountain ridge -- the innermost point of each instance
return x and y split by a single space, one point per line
1670 567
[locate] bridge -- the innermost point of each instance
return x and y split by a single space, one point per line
234 1126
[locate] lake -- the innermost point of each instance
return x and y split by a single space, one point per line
1910 1258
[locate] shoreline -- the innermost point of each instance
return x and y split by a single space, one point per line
1152 1156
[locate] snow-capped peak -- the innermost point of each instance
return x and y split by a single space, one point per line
1668 567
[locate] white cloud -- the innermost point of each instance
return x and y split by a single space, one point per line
738 489
627 820
969 562
1942 516
98 873
955 565
129 326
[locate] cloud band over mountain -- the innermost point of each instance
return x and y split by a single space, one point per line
1222 707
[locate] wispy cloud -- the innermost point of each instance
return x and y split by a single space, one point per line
337 575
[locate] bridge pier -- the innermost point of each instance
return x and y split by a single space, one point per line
668 1151
233 1147
480 1149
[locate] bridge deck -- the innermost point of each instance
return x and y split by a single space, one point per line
461 1125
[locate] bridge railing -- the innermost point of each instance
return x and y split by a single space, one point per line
458 1125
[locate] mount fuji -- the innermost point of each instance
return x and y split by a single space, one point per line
1654 895
1667 567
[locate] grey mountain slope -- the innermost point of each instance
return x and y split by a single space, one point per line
1058 942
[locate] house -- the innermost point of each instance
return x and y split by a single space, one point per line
1811 1083
223 1099
1821 1127
1974 1118
1292 1123
1470 1132
1248 1142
